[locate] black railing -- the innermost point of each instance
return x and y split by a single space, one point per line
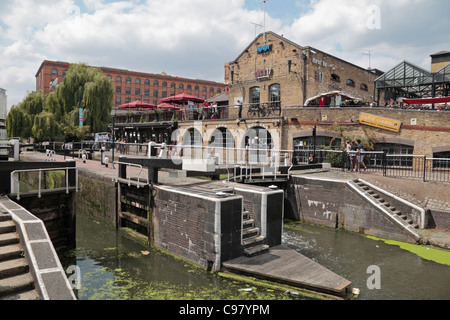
390 165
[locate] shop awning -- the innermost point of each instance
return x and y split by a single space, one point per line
427 101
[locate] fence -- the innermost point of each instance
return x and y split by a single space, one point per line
390 165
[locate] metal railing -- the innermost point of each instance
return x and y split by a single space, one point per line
390 165
15 180
128 173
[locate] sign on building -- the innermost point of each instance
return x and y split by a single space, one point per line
380 122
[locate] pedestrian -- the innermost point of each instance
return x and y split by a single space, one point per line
353 154
360 157
240 108
348 149
205 110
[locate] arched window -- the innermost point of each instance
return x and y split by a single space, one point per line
275 94
118 79
137 81
350 82
335 77
128 80
54 72
364 87
255 98
155 83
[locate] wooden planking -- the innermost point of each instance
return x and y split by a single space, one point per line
286 265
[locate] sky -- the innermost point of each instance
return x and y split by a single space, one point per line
195 38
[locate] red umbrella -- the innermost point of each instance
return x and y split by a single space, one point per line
182 98
168 106
138 104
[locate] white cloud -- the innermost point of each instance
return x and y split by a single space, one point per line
194 38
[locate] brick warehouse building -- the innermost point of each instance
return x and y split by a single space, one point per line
130 86
273 69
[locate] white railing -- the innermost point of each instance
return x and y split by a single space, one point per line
129 173
15 180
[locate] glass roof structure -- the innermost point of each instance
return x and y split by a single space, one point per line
407 80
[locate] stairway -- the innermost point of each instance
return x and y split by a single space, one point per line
375 195
16 282
251 239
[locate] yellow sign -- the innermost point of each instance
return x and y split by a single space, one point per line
380 122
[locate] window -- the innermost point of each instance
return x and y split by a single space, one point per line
164 84
164 94
204 89
146 82
128 80
211 90
318 76
181 86
128 91
118 101
364 87
119 90
54 72
172 85
219 91
189 87
137 81
444 163
147 93
350 82
155 94
137 92
197 88
255 97
335 77
275 95
155 83
118 79
65 72
397 149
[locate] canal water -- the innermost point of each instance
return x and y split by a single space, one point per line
115 267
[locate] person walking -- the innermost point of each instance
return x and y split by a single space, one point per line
360 156
348 149
240 108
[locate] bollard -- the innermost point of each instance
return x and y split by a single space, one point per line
106 162
83 157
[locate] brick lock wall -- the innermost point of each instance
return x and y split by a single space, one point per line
332 204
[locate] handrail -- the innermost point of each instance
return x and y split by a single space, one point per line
129 165
15 179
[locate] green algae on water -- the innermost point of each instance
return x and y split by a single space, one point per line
437 255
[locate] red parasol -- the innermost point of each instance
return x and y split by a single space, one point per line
182 98
138 104
168 106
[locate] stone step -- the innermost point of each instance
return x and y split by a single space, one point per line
246 215
5 217
15 285
9 238
255 250
27 295
252 241
11 252
249 223
7 226
13 267
250 232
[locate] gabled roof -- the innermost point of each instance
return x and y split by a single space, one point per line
261 35
404 74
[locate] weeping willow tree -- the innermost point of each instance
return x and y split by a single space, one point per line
46 117
20 119
86 88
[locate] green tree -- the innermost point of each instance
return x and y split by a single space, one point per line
48 116
87 88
